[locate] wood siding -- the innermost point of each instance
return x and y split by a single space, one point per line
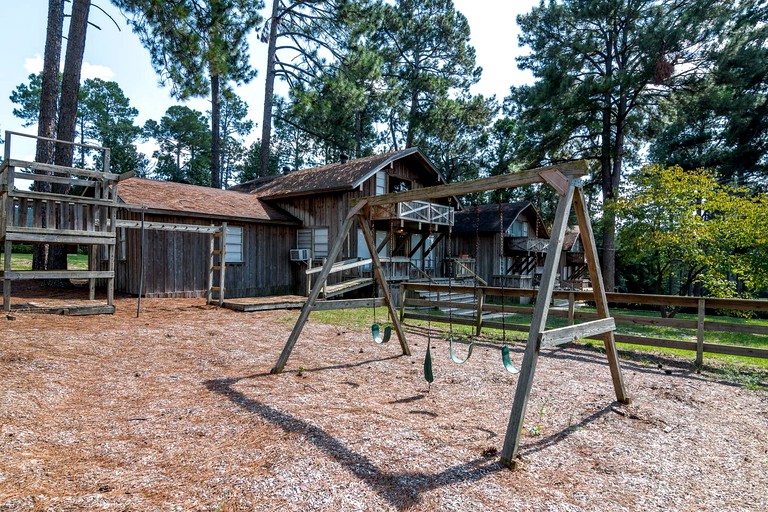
176 263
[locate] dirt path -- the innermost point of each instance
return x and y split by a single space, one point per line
176 411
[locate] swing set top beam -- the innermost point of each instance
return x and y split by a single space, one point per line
572 170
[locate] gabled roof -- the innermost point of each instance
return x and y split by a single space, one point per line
485 218
192 199
571 235
335 177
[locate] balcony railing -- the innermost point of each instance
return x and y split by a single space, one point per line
426 212
524 244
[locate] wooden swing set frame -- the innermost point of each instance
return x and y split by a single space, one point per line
566 180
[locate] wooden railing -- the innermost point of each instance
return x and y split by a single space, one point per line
426 212
525 244
698 326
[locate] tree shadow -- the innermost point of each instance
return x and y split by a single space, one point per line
401 490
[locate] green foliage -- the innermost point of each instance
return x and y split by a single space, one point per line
686 225
105 118
185 145
721 121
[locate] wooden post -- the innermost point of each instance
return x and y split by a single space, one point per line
538 325
403 293
382 281
309 276
211 248
700 335
7 282
112 250
571 308
315 293
223 262
601 301
479 312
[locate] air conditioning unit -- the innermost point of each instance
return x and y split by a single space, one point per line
300 255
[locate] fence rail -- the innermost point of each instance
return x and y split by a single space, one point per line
700 325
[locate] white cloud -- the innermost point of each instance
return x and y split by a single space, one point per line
96 71
35 65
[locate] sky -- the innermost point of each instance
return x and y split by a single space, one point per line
116 54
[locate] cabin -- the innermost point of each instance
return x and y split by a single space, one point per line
277 231
178 220
406 233
504 244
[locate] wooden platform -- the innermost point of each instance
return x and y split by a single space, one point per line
250 304
64 307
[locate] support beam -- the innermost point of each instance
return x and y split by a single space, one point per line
518 179
601 301
315 293
555 337
538 325
382 281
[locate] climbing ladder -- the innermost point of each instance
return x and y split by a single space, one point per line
217 266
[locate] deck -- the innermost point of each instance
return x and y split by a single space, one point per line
251 304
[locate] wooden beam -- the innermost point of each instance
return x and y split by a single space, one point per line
60 198
167 226
538 325
601 301
56 274
555 337
575 169
379 273
315 293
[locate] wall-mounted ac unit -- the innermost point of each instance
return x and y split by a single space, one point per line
300 254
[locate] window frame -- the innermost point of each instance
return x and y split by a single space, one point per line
229 244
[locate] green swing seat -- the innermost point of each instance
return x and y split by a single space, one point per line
511 368
377 337
456 359
428 363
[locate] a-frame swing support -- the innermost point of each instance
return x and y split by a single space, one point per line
565 178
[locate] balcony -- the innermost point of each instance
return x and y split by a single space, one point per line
525 244
422 212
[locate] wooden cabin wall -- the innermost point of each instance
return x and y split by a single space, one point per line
176 263
488 259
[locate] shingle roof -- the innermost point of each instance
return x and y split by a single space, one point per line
337 176
180 197
485 218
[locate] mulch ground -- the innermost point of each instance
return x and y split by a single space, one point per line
176 410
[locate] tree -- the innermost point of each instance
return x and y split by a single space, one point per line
299 34
690 230
427 58
601 69
104 118
722 122
233 127
49 87
109 122
185 145
199 47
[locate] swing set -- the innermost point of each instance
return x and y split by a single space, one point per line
566 180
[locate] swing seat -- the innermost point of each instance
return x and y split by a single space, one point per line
456 359
376 332
428 363
511 368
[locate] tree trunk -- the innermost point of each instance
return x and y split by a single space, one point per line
70 89
269 89
215 132
46 121
609 219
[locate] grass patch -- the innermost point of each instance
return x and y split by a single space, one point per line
24 261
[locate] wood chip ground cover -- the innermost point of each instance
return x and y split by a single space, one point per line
176 410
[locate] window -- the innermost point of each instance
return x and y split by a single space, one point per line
520 228
398 184
381 183
234 246
314 239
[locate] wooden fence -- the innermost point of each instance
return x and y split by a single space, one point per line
700 325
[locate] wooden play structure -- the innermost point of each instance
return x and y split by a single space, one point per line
57 217
565 179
